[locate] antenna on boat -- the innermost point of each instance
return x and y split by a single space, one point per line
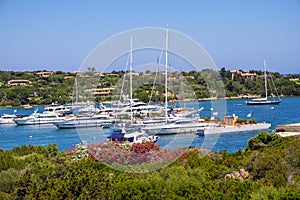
166 75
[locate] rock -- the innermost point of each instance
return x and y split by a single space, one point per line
242 174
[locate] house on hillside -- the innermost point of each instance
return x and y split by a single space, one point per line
45 74
102 92
246 74
18 82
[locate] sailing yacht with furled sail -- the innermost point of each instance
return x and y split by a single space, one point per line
179 124
265 100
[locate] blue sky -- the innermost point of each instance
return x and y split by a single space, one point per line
59 34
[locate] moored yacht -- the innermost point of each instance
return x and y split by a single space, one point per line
59 109
38 118
265 100
7 119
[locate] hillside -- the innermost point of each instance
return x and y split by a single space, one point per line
42 87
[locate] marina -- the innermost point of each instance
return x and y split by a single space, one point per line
12 135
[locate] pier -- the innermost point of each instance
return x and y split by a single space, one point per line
288 130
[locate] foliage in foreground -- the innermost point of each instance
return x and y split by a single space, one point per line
29 172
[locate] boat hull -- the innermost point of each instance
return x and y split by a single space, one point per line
262 103
35 121
6 121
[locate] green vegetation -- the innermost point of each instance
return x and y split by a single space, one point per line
41 90
60 86
272 165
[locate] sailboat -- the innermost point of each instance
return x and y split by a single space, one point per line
265 100
178 124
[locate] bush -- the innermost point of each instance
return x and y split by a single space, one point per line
262 140
252 121
8 180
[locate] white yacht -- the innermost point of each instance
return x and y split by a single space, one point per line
139 108
38 118
84 121
59 109
7 119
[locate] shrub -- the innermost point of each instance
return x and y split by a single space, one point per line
252 121
261 140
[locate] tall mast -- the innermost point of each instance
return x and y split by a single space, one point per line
130 81
76 89
266 87
158 75
166 76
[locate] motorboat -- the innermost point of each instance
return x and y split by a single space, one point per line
59 109
7 119
38 118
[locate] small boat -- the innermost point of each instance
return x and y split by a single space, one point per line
265 100
38 118
7 119
134 137
27 107
84 121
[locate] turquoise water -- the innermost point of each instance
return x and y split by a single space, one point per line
286 112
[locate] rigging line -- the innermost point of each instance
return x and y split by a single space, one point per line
269 73
275 88
154 81
123 82
271 86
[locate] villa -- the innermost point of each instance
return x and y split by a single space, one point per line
18 82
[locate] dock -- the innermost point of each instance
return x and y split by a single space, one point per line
288 130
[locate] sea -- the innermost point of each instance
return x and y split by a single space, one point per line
286 112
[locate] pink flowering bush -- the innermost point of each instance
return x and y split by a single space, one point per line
146 152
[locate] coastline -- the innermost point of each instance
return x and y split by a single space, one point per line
185 100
